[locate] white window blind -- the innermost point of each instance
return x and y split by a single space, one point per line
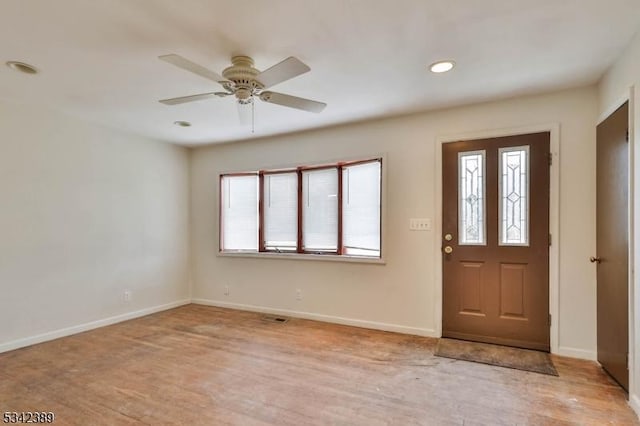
240 213
281 211
320 209
361 209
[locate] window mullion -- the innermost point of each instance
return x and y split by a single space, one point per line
221 200
299 243
261 212
340 186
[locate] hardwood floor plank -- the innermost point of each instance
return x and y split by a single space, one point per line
212 366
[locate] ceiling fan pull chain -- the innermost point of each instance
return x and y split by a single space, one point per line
253 115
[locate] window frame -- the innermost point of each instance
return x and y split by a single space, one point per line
261 226
300 251
301 248
380 211
221 208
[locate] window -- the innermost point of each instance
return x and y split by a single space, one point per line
361 209
280 211
239 214
514 196
320 210
327 209
472 203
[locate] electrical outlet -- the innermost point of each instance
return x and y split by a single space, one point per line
420 224
226 290
126 296
298 294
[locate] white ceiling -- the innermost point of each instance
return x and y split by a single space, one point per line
368 58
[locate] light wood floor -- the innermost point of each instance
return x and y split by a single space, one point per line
211 366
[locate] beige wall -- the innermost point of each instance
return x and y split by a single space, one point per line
400 295
615 84
620 83
86 213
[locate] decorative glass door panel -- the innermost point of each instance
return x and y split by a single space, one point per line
513 182
472 203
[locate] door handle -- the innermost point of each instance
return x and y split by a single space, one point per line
447 249
593 259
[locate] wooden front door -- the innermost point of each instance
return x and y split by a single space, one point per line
495 240
612 235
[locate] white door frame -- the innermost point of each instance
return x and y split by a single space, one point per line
554 215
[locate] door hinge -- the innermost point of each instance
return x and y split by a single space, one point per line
549 320
627 360
549 240
627 135
550 158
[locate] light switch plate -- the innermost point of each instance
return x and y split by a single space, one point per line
420 224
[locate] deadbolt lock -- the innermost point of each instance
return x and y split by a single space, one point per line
448 237
448 249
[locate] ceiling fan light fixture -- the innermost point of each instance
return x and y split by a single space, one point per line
442 66
22 67
246 83
181 123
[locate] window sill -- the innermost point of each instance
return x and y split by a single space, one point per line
298 256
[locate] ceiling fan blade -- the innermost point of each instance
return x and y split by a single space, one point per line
244 113
187 65
285 70
191 98
292 101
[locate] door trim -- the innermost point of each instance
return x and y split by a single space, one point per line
554 217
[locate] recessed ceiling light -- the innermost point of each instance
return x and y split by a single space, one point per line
22 67
181 123
442 66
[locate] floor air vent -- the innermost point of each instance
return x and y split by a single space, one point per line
271 318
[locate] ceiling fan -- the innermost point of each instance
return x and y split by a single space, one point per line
245 82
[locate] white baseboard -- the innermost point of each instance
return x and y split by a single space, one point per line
577 353
427 332
56 334
634 402
323 318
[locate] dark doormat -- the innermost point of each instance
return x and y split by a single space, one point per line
502 356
